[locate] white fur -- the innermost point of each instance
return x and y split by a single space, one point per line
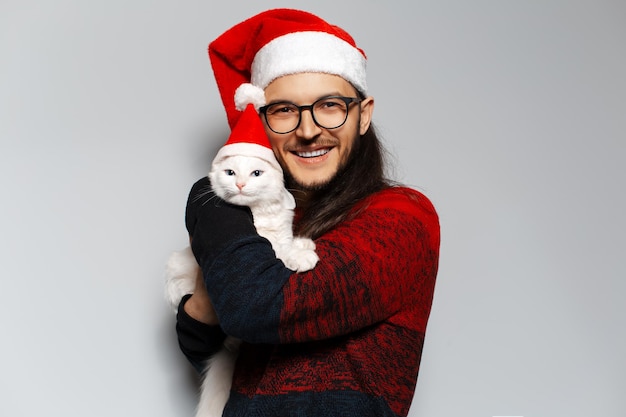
218 379
261 187
180 275
309 51
246 94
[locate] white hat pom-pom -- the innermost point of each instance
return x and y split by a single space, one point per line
249 94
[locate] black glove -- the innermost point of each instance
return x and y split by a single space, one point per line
212 223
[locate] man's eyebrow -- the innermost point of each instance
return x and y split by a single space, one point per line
279 100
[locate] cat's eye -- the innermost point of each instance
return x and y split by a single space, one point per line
256 173
229 172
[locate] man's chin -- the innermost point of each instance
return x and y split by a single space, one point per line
307 186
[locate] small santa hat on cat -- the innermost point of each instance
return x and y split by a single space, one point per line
248 138
277 42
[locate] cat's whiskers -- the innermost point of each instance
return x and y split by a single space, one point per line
207 191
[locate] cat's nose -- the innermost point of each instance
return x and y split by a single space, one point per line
240 186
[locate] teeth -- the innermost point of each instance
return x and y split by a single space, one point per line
313 154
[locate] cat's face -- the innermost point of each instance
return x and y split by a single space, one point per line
245 180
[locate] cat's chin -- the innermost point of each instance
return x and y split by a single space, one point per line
240 200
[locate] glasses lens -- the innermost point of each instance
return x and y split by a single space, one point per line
330 112
282 117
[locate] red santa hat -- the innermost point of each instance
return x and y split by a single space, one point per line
248 138
253 53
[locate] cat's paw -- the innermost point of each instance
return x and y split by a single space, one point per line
303 243
181 271
301 260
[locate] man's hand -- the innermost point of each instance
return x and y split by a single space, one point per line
199 305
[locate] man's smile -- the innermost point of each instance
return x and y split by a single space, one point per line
312 154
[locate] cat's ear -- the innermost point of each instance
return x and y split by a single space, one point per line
288 200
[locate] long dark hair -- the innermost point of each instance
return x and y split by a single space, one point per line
363 175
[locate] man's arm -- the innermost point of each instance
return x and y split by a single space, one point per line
370 268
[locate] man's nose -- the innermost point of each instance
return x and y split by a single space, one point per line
307 129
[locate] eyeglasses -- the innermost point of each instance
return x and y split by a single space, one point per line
327 112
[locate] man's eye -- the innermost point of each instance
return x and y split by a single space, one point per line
331 105
282 108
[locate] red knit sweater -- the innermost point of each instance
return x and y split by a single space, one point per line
342 339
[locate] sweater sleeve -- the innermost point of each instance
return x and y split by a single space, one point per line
198 341
371 267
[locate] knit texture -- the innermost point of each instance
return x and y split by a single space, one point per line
344 338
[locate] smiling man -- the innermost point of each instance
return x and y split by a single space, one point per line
315 143
344 339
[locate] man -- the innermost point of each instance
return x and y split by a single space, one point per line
346 337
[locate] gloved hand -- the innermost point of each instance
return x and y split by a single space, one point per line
212 223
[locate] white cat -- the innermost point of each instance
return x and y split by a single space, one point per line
253 182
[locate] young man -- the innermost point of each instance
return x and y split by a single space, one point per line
345 338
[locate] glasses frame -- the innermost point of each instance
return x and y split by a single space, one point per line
309 107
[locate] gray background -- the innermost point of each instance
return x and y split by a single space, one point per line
509 115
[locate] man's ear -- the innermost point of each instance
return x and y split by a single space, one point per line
367 108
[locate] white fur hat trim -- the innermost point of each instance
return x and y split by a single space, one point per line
299 52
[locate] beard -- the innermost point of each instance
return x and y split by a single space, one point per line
293 184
